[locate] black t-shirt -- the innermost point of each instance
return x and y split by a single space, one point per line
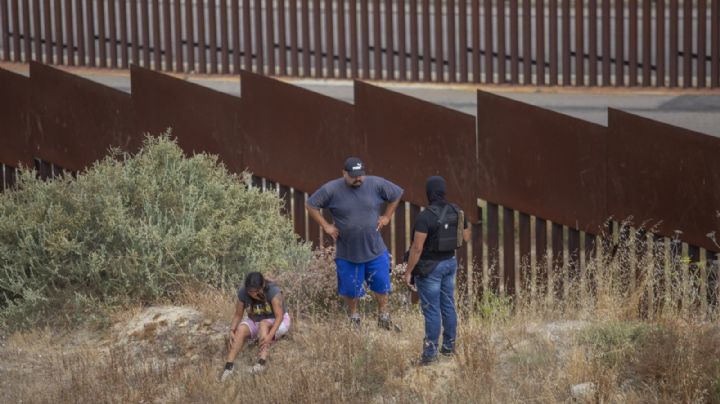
426 222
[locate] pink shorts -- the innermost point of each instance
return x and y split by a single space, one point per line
253 326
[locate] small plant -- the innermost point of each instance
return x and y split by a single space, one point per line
493 306
615 339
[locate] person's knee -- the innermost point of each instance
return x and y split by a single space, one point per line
242 332
264 327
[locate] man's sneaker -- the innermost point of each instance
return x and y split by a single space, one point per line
226 373
384 322
427 360
355 321
447 351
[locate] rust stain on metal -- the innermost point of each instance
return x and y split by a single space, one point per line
541 162
659 172
15 140
75 121
202 120
408 140
295 136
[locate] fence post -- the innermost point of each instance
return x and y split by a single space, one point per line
329 45
377 41
701 42
715 44
660 42
493 247
619 44
177 37
282 40
451 41
632 42
542 260
553 43
566 73
389 43
270 37
317 36
354 54
514 68
69 35
647 43
102 46
524 249
527 43
593 45
579 44
500 4
402 41
489 57
479 276
687 43
540 42
673 49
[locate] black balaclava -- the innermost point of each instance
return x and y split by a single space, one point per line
435 188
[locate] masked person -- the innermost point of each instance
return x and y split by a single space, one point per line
438 231
355 201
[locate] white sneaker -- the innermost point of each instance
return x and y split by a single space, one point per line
257 368
226 374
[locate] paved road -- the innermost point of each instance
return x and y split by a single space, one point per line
699 111
691 110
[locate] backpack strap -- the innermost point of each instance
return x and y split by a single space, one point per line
443 213
440 213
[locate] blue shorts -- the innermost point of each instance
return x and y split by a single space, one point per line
352 276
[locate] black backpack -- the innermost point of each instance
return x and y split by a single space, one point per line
451 221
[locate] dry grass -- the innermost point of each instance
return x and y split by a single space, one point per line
603 331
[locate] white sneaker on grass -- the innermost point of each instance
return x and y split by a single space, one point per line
257 368
227 373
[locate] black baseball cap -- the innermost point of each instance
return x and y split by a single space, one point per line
354 167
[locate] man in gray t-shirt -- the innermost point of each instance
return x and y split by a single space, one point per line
355 202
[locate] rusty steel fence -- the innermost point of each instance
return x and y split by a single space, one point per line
539 190
648 43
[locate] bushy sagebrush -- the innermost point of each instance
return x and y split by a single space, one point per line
135 229
313 290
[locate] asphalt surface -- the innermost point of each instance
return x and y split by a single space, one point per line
691 109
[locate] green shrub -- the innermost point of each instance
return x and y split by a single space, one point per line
135 229
494 306
614 340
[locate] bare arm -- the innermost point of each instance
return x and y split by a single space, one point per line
237 317
466 234
415 251
384 220
328 228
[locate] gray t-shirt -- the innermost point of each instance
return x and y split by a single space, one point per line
258 310
355 212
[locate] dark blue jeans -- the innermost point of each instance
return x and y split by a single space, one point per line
437 299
